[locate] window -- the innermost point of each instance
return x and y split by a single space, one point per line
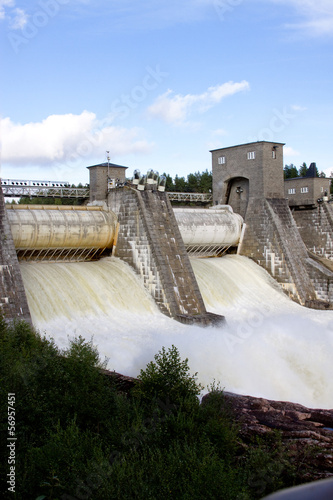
292 191
274 154
251 155
221 160
321 189
304 190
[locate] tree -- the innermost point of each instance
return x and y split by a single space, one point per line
290 171
168 378
193 181
180 184
206 182
302 170
169 186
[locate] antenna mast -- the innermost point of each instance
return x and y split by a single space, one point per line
108 159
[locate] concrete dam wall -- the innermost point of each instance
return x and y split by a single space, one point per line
149 240
13 301
138 227
272 240
315 226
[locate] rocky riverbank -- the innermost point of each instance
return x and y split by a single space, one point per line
306 432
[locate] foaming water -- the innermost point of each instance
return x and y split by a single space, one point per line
271 347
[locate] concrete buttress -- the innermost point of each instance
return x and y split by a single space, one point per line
13 301
150 241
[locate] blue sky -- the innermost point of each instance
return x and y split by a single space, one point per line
160 83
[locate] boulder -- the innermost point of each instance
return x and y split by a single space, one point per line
301 429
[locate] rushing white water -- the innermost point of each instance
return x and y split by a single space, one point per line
271 347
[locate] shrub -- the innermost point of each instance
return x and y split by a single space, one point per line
70 421
168 379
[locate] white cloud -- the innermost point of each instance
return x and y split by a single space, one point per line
328 172
60 138
220 132
16 17
149 14
310 7
317 16
289 151
296 107
176 109
217 136
3 5
19 19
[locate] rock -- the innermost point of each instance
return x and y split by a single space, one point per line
306 433
301 429
123 383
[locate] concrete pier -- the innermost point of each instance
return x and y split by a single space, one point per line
150 241
13 300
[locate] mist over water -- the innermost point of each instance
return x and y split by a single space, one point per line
271 346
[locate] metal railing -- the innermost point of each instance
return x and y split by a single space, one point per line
194 197
44 189
54 189
204 251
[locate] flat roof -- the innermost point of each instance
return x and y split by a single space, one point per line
105 164
306 178
248 144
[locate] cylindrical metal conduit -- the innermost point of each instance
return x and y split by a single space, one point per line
41 227
209 227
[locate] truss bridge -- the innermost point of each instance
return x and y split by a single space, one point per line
13 188
192 197
42 189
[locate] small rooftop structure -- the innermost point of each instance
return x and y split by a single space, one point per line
106 164
104 176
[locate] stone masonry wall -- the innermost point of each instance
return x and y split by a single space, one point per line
133 244
150 241
264 172
316 229
322 279
271 239
13 301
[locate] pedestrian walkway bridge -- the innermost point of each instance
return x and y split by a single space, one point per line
54 189
42 189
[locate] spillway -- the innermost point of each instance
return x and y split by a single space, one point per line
271 346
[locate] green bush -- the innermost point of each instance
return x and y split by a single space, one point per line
79 436
168 379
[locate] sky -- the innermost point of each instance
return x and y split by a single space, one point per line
160 83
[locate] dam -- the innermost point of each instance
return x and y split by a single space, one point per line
140 227
121 269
